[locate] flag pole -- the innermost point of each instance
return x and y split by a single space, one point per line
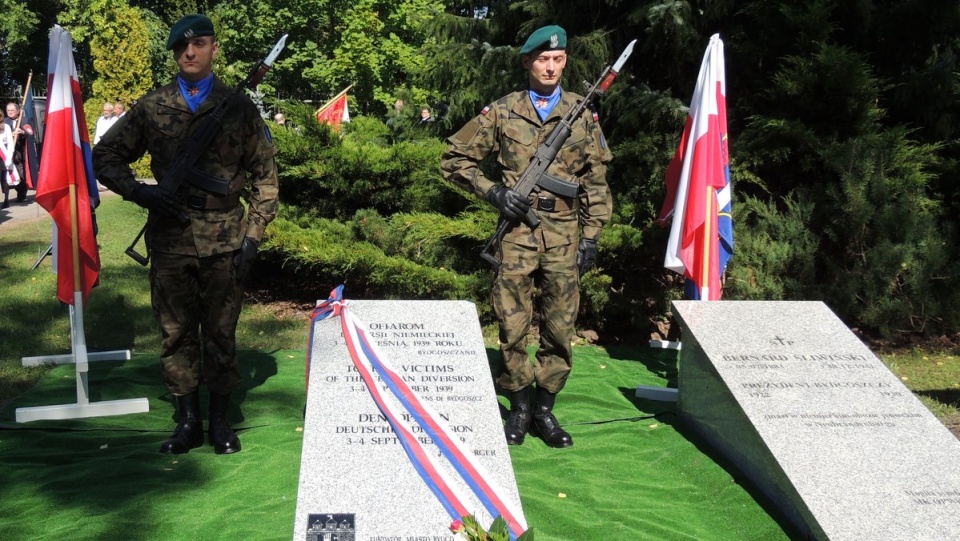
22 104
707 243
331 101
75 238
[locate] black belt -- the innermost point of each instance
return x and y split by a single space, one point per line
554 204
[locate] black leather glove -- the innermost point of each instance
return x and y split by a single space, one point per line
586 255
155 198
510 203
243 259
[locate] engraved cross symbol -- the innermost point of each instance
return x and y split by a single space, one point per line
780 341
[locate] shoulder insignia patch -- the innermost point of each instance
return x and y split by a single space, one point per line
596 117
485 110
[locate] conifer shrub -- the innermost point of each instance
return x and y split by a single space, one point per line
890 268
776 251
374 213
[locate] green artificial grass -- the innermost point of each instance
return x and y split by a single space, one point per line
102 478
634 472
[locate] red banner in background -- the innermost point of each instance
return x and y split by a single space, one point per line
336 111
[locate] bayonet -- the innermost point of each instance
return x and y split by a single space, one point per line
615 70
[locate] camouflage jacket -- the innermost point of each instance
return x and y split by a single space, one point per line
511 131
241 153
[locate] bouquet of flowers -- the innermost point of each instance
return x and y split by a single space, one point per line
473 531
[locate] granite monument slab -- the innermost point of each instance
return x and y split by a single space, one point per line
803 408
356 481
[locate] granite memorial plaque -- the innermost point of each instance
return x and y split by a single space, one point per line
789 395
356 481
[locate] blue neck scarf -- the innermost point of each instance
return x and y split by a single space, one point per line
195 93
544 104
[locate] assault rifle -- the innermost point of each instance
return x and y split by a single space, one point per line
183 167
536 172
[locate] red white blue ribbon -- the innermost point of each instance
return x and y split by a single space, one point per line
407 409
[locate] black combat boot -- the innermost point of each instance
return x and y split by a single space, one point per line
189 432
518 424
545 424
222 437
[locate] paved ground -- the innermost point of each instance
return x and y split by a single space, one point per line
21 212
28 210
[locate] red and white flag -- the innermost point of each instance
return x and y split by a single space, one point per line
64 186
336 111
699 191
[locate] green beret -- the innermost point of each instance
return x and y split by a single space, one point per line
191 26
547 38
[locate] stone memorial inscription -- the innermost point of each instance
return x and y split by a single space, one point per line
802 407
353 463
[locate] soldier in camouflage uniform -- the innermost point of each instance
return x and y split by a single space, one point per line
198 266
554 255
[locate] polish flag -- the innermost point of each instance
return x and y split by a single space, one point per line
699 191
66 173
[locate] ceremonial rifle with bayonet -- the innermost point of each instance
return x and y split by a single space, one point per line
184 169
536 172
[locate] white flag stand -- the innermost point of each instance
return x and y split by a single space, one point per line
83 408
79 357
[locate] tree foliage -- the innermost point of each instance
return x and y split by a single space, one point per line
843 120
121 52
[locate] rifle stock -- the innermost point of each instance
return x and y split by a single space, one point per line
536 170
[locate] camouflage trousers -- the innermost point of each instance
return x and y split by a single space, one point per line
197 303
554 273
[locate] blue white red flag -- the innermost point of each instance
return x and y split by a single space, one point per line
408 416
65 175
699 191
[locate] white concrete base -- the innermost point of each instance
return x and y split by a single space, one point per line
664 344
661 394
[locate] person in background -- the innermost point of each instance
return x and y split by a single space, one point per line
19 134
551 257
119 109
425 115
104 123
280 119
202 244
6 161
